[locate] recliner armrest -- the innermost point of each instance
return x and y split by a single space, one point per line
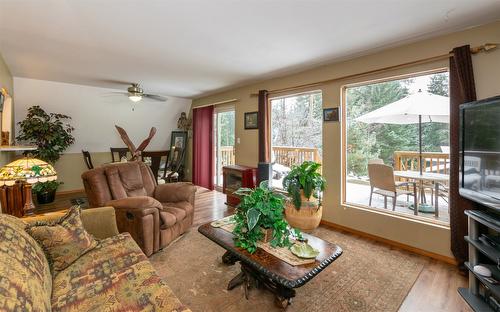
136 202
139 216
175 192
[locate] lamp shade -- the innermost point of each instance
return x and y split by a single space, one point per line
27 169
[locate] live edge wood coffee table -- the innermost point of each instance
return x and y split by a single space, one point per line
264 269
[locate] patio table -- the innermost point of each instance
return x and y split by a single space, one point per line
425 176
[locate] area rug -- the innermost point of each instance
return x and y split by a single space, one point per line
367 277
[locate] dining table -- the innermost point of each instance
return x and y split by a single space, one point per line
434 177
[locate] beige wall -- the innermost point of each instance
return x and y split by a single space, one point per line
422 235
71 166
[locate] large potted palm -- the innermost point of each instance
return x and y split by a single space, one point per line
52 135
304 185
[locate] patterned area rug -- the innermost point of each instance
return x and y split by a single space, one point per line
367 277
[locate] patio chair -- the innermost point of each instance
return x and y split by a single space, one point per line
382 182
442 191
376 161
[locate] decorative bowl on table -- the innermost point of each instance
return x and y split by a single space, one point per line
304 250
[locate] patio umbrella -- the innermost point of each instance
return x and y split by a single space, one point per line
417 108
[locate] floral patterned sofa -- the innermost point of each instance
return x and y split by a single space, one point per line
114 276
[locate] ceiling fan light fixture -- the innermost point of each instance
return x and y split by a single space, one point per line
134 97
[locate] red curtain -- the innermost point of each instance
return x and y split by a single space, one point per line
203 165
462 90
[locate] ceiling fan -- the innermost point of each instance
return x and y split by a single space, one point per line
136 94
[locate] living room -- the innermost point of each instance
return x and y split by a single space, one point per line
203 109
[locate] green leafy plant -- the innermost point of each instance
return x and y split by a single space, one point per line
46 187
304 177
50 132
261 208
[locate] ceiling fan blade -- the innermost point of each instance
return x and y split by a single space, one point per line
113 81
114 93
155 97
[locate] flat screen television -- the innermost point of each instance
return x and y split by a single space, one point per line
480 151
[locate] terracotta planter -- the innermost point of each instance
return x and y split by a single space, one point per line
308 217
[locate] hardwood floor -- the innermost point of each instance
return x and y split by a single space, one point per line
434 290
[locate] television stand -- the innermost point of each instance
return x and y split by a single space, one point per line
481 295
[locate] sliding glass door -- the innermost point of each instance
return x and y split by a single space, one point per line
224 141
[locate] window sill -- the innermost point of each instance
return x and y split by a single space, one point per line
398 215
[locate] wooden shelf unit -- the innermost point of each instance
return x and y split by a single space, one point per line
480 290
15 148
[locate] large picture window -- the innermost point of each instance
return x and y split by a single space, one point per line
296 132
385 123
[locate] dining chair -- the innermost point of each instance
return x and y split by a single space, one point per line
382 182
121 151
87 159
156 158
174 171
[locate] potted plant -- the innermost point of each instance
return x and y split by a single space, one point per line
304 185
45 191
52 135
259 217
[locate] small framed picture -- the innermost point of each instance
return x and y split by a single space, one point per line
251 120
178 139
331 114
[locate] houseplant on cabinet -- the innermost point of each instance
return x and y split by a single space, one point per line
46 191
259 217
304 185
52 134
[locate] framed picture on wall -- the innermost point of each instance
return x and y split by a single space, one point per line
251 120
331 114
178 142
178 139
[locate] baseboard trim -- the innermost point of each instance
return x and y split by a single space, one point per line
70 192
399 245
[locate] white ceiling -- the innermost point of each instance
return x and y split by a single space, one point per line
192 47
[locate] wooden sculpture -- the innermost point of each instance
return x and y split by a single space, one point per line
136 152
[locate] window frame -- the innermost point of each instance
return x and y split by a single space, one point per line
285 96
343 185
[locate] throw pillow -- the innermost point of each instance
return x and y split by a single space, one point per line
64 240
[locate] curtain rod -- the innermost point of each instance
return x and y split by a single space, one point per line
482 48
217 103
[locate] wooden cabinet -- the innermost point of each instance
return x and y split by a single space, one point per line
234 177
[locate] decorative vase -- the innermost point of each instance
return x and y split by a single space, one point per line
45 197
307 217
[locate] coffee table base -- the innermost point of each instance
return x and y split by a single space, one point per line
250 277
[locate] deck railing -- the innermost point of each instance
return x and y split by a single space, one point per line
289 156
286 156
227 155
432 162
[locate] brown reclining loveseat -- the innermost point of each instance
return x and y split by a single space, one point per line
153 214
